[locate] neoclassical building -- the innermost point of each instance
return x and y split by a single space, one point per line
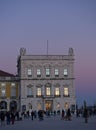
46 81
9 96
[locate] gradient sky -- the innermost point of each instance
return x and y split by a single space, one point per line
64 23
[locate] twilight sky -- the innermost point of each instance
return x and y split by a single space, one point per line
64 23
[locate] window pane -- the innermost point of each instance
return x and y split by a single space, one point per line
57 92
29 72
48 92
56 72
66 93
3 89
38 91
3 84
38 72
29 91
3 92
65 72
47 72
13 89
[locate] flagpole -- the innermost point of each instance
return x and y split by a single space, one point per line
47 47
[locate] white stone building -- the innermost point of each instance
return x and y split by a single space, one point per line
46 81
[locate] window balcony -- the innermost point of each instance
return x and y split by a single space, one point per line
56 76
66 95
48 96
30 96
47 75
39 96
57 95
38 76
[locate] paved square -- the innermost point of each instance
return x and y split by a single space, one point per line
52 123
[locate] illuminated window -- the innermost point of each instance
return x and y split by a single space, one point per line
66 92
38 91
56 72
65 72
38 73
48 91
29 72
57 91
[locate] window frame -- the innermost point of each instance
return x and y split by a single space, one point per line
47 72
29 72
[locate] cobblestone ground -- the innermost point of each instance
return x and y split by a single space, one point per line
52 123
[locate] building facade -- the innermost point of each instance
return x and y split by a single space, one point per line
9 97
46 81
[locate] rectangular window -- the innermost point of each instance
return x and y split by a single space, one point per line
48 91
29 72
3 89
66 92
3 92
48 72
29 91
39 91
65 72
57 91
56 72
13 90
38 73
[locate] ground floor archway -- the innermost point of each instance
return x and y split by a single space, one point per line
48 105
13 106
3 105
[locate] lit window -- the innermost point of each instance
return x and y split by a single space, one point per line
38 73
57 91
13 89
3 84
56 72
66 92
29 72
39 91
65 72
48 91
47 72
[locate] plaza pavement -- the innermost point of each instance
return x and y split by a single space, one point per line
52 123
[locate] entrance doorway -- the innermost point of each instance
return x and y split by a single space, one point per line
13 106
48 105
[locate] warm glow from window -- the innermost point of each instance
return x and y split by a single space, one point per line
57 92
66 93
38 91
48 91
